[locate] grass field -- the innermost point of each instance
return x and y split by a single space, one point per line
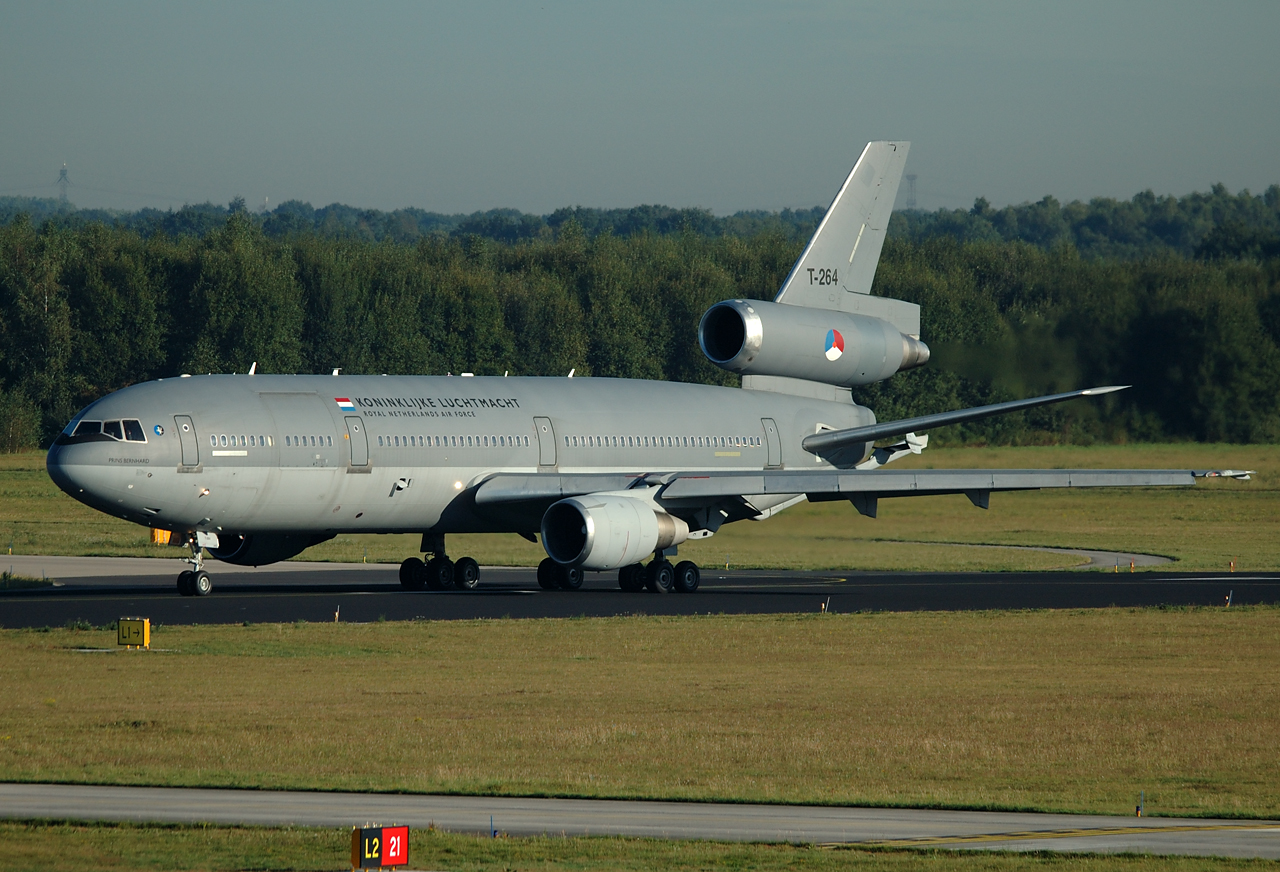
1205 527
1047 710
42 847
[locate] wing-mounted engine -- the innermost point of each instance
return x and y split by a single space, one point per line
607 531
755 337
259 549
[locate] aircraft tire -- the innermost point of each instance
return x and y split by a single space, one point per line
547 571
569 577
412 574
686 577
439 573
466 574
201 584
631 578
184 583
659 577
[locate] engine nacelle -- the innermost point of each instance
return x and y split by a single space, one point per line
259 549
607 531
753 337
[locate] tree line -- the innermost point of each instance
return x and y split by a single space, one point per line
1104 228
86 309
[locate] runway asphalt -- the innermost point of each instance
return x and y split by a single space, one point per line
823 825
100 590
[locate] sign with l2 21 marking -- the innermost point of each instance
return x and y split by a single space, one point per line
379 847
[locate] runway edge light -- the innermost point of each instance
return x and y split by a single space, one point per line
379 847
134 632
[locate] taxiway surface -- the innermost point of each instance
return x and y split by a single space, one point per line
100 590
825 825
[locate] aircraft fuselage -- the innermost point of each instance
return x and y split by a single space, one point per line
389 454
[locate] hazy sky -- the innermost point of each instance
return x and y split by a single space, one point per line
455 107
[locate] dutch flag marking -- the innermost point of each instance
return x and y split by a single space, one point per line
345 404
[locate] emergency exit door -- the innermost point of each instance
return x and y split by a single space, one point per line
773 441
187 436
546 441
359 442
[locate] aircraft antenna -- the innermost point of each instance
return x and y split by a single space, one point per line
911 190
63 181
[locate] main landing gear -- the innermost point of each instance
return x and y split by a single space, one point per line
552 576
660 576
194 581
439 573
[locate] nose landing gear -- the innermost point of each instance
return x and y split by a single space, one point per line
195 581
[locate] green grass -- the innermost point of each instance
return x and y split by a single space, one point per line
10 581
1046 710
59 847
1205 527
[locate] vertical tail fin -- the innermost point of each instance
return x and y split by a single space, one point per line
841 257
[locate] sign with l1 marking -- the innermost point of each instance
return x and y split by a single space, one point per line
378 847
134 632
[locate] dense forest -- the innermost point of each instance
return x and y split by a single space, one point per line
1178 296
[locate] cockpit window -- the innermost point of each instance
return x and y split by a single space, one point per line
133 431
88 428
112 429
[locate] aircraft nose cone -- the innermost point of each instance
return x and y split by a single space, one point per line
80 473
59 471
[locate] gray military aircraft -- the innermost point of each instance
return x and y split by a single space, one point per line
256 468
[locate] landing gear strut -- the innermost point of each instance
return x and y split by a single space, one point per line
439 573
194 581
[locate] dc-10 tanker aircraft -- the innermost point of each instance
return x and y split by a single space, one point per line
256 468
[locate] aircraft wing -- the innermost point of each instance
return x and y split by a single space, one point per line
862 487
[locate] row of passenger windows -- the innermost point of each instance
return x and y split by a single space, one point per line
222 439
134 434
128 430
454 441
661 441
309 441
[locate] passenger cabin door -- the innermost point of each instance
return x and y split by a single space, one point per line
773 440
546 441
187 436
359 441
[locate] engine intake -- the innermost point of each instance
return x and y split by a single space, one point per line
753 337
607 531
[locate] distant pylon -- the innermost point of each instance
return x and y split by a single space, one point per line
63 181
911 190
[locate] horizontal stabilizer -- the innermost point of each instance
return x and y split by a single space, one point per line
830 440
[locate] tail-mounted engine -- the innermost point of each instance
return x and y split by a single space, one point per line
607 532
755 337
